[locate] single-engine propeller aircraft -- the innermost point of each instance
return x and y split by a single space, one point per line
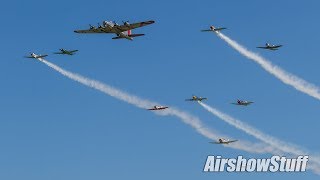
195 98
67 52
155 108
242 103
214 29
35 56
270 47
122 31
223 141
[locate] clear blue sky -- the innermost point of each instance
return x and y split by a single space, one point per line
53 128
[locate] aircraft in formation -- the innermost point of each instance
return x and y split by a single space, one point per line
270 47
125 31
195 98
66 52
223 141
122 31
35 56
213 29
242 103
156 108
267 46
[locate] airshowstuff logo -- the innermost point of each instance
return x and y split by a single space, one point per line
240 164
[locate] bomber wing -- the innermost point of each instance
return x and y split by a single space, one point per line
94 30
127 27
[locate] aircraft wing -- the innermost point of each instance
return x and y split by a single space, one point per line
263 47
235 103
215 142
189 99
94 30
219 29
28 57
134 25
248 103
270 48
72 51
277 46
42 56
155 109
206 30
216 29
232 141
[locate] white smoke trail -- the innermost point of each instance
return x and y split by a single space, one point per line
284 76
274 142
187 118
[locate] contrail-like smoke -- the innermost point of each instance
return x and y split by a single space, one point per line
187 118
284 76
272 141
253 131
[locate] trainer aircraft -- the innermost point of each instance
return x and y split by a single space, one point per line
242 103
270 47
223 141
35 56
214 29
67 52
155 108
195 98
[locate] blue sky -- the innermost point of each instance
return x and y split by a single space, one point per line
54 128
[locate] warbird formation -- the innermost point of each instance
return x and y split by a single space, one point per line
124 31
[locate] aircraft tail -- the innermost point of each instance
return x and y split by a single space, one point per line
129 34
